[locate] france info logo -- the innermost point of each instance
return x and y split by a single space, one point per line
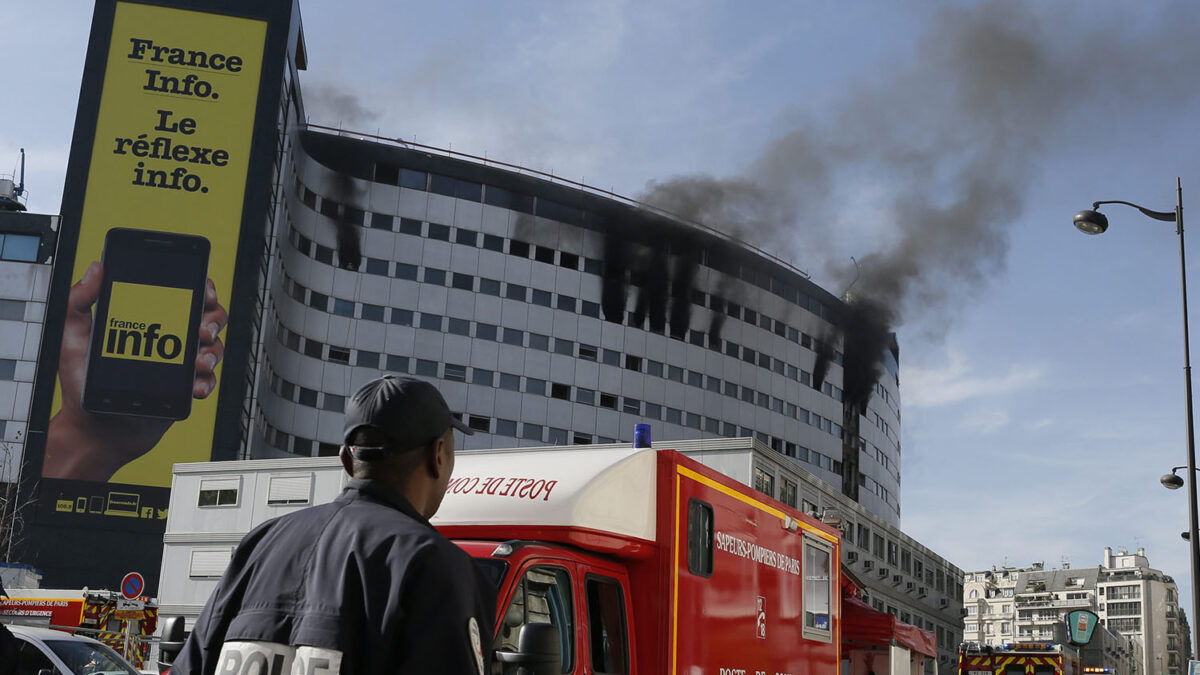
147 323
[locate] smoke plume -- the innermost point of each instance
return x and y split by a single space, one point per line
935 159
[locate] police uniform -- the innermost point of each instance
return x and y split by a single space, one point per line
362 585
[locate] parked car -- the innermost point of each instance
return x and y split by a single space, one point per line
44 649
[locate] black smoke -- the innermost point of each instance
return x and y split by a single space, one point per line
348 233
933 158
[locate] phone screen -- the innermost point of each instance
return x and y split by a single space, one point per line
145 332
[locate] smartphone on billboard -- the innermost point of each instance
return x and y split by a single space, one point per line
145 331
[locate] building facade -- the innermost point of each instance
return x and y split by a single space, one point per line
27 242
214 504
1145 630
550 314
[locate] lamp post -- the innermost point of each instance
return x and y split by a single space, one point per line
1094 222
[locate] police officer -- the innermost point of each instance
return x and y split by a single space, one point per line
362 585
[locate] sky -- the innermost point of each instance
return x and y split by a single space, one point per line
943 146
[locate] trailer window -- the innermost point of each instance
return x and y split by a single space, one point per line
818 589
700 538
606 626
542 596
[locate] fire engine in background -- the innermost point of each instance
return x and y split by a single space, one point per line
1040 658
125 625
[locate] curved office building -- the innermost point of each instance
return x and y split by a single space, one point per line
554 314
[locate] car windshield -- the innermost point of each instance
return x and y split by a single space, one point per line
87 658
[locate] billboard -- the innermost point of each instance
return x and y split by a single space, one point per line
153 292
140 358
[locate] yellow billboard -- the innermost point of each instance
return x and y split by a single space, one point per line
139 364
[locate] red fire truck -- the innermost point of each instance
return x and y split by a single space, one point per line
124 625
1038 658
645 561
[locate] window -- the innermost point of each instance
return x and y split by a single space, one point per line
455 372
478 423
402 317
290 490
542 596
532 432
209 563
489 287
513 336
654 368
219 491
493 243
466 237
12 310
675 373
587 352
463 282
591 309
372 312
481 376
535 386
366 359
8 369
611 358
458 326
510 382
632 406
586 396
518 248
433 276
818 589
764 481
608 401
506 428
380 221
431 321
440 232
539 342
633 362
560 391
427 368
700 538
787 492
334 403
19 247
410 226
405 271
606 620
397 364
541 297
565 347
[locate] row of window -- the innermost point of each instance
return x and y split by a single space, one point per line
531 340
897 554
529 431
516 247
753 272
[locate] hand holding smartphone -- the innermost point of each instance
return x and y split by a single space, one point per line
125 380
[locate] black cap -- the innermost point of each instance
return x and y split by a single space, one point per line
411 413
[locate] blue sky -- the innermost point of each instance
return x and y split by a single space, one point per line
1041 369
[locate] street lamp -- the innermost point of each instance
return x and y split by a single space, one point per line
1094 222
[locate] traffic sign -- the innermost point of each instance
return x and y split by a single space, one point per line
132 585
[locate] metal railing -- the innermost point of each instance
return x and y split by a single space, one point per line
559 180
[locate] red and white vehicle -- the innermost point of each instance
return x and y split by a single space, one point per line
644 561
